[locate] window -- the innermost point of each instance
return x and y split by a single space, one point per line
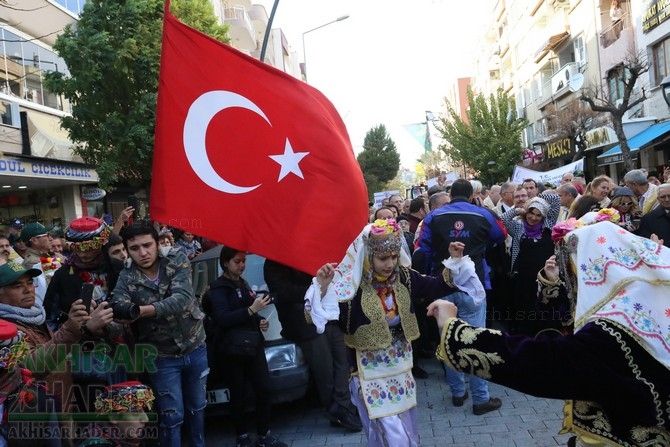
661 62
615 80
23 64
580 50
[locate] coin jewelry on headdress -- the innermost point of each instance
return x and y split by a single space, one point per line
385 238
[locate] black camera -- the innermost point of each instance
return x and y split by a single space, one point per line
260 293
126 311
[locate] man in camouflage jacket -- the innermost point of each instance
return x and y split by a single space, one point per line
155 294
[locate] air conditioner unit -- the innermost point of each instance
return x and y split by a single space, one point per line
494 75
561 4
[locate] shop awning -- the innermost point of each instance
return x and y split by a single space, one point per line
637 142
552 43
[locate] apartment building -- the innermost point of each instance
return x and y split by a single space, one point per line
40 177
547 52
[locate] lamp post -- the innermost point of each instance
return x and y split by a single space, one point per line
665 88
304 52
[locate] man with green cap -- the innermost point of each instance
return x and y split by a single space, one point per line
36 237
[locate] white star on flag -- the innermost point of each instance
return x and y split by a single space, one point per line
289 161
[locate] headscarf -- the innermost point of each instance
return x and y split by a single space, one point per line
622 278
382 237
535 231
379 238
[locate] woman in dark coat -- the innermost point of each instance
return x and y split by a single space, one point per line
231 306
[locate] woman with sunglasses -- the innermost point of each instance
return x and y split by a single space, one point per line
625 202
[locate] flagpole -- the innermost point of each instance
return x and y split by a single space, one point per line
268 29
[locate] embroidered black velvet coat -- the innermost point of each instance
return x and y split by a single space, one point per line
616 391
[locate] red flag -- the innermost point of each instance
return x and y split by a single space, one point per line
251 157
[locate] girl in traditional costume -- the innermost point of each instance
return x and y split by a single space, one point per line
613 371
370 293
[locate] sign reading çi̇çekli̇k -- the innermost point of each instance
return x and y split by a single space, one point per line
46 169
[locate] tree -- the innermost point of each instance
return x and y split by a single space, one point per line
112 55
489 141
618 103
572 122
379 159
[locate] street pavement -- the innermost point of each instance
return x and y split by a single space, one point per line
522 421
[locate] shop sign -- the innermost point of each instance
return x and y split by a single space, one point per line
46 170
558 149
616 158
93 193
654 13
602 136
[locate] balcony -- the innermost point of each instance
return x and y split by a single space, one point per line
259 20
560 81
615 41
241 31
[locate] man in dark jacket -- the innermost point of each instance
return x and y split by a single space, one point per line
657 221
325 353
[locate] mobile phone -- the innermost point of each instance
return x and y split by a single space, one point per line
86 295
132 201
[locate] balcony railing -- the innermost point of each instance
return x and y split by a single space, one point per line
238 13
612 33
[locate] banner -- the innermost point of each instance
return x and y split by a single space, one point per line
554 176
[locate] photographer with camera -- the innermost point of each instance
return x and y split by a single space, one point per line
154 291
234 337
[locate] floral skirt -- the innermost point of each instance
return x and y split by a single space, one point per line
384 392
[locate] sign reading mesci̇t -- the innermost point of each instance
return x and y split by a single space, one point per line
654 13
47 170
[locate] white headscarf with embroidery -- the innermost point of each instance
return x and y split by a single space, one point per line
623 278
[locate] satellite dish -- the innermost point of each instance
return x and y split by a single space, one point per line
576 82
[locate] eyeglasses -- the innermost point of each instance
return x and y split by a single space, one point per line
626 203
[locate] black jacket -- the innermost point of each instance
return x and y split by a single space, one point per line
657 222
226 303
290 285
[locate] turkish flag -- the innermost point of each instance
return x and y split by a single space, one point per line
251 157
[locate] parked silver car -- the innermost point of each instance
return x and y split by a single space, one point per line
289 373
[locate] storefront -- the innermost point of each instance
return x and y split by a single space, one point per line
40 189
649 149
598 140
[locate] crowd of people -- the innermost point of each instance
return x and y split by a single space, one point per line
103 321
510 233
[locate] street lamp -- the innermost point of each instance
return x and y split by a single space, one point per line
665 88
304 53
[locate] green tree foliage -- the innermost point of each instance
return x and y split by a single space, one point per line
379 159
113 55
489 141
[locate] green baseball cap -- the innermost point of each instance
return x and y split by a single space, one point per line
10 272
33 229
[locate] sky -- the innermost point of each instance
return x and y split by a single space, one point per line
388 63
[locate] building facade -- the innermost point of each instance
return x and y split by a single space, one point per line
547 53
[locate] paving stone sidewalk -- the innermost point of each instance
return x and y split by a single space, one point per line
522 421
